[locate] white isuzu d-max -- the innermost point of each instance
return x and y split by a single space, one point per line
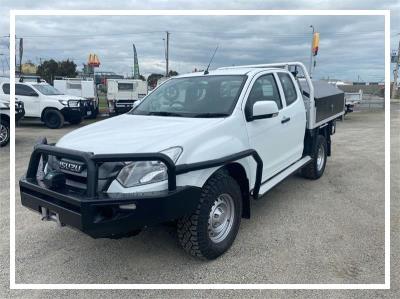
196 150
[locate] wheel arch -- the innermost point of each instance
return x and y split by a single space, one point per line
311 137
238 173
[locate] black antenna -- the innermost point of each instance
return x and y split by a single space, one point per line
208 66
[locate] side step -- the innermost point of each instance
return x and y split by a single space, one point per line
268 185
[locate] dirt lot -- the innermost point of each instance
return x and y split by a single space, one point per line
325 231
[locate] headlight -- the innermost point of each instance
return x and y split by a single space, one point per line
63 102
147 172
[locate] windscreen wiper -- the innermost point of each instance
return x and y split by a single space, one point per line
164 113
210 115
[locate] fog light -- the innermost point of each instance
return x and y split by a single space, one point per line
131 206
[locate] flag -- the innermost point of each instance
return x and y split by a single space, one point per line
315 43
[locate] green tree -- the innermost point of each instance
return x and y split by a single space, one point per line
51 68
152 79
172 73
66 68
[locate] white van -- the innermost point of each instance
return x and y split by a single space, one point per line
122 93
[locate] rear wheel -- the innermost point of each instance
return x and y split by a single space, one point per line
212 228
53 119
315 169
4 132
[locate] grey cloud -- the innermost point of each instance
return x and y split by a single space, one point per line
350 46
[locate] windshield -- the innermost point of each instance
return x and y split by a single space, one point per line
47 89
205 96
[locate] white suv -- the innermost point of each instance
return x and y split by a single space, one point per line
43 101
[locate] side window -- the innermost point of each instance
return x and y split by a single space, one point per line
23 90
6 88
288 88
264 89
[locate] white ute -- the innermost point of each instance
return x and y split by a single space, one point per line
196 150
5 117
123 93
43 101
80 87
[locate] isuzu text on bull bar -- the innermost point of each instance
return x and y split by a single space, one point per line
196 151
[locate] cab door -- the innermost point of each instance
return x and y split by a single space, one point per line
265 134
30 98
293 117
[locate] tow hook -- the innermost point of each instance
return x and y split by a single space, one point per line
48 215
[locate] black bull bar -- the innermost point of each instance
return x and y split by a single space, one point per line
92 162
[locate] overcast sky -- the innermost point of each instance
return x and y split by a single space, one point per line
350 46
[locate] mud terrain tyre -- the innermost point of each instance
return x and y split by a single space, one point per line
213 226
315 169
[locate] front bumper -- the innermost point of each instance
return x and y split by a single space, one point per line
102 216
19 110
123 106
91 108
19 114
73 112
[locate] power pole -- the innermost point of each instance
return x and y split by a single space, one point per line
21 51
311 51
396 73
167 55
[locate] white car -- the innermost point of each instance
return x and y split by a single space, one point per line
43 101
195 150
5 117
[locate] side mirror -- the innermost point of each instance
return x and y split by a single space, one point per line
264 109
33 94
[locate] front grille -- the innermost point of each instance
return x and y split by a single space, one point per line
125 101
75 181
107 173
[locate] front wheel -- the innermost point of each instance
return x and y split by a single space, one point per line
4 132
212 228
315 169
53 119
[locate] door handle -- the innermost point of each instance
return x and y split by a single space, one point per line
285 120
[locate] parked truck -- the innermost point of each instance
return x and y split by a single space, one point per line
123 93
208 144
80 87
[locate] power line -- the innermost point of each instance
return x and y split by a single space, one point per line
333 33
92 34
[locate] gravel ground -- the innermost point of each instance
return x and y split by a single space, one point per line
325 231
